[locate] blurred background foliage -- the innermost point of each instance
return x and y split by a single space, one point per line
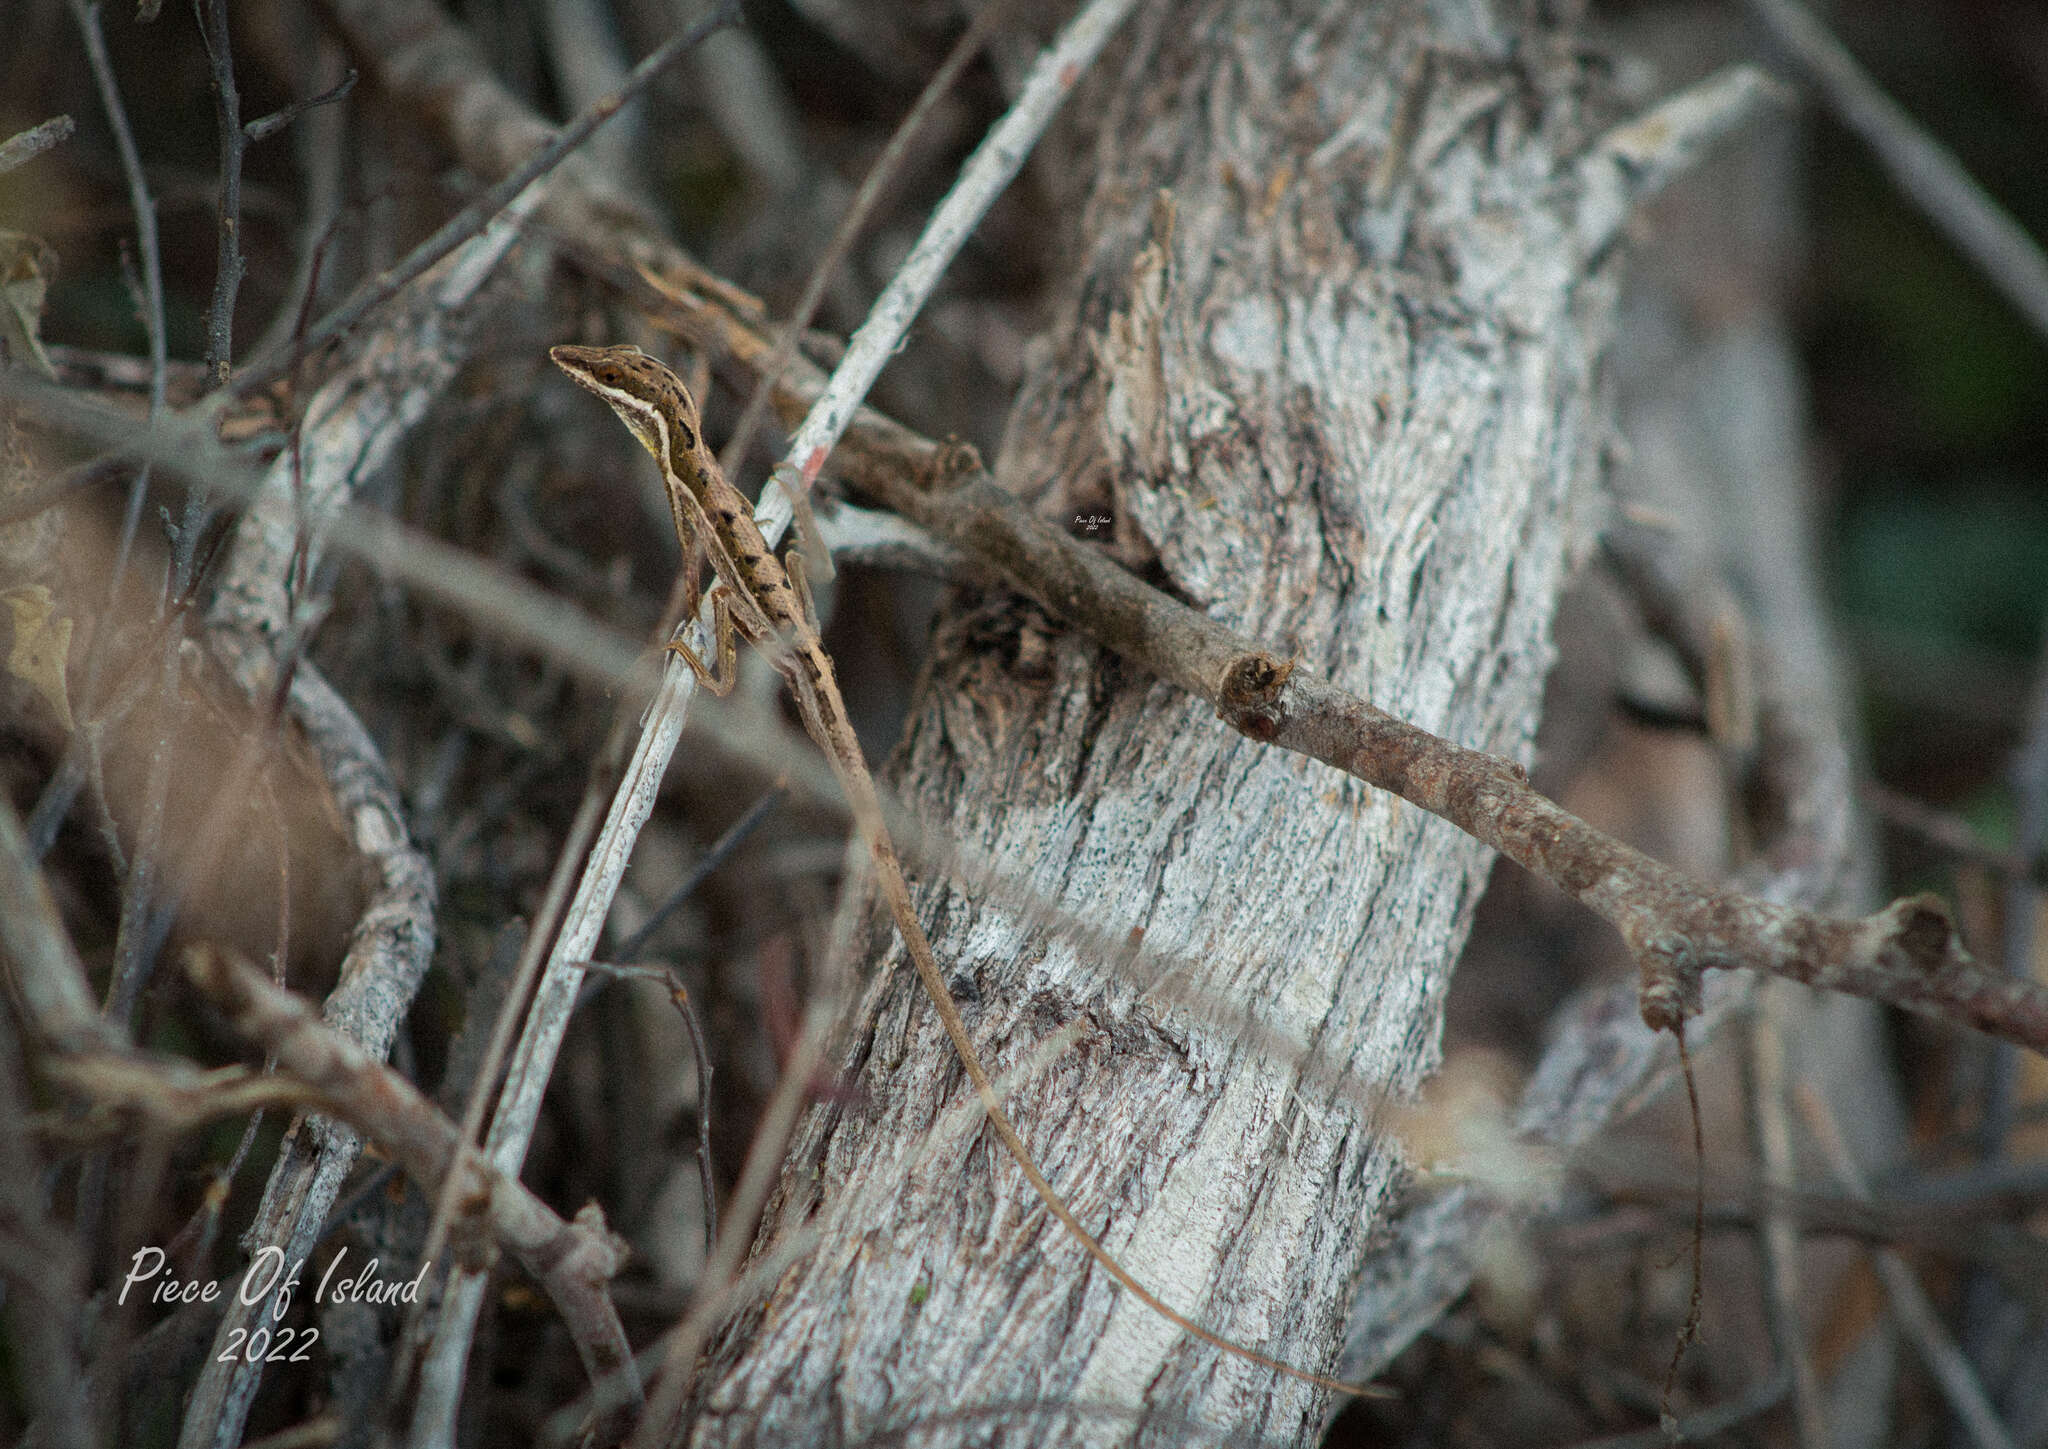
1930 405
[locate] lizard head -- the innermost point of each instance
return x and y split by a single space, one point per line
649 399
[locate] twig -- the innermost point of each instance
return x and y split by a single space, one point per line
138 894
320 155
879 176
713 1294
356 420
171 1096
87 15
229 264
1770 1138
1909 1300
709 1179
679 997
473 218
721 850
1908 954
571 1423
991 166
716 1286
1922 167
24 146
573 1261
264 127
519 613
45 1303
987 172
48 980
1705 1424
1951 833
719 1289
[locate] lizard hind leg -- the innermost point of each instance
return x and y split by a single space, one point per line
800 584
809 541
720 676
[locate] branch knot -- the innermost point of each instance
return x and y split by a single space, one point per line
1248 698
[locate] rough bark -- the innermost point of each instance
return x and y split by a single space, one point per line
1345 401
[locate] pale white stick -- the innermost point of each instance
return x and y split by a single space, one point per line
986 173
994 162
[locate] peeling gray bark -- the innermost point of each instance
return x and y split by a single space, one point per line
1346 402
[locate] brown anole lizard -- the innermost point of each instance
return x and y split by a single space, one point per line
756 596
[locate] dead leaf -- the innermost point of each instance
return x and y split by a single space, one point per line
42 646
26 266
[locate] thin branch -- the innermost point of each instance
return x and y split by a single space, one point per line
45 1303
229 264
24 146
1702 1425
516 611
679 997
707 1178
138 894
721 851
87 15
172 1096
994 162
1909 1300
1907 955
1923 168
353 425
1951 833
570 1424
987 172
573 1261
872 186
714 1292
473 218
48 981
720 1288
264 127
1770 1135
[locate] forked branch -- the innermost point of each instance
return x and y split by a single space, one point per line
574 1261
1909 954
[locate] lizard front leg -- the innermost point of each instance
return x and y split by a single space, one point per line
725 647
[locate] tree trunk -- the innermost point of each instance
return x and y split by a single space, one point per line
1340 392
